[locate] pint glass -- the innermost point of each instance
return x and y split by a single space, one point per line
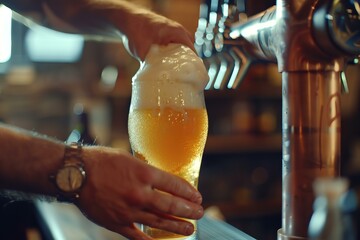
168 121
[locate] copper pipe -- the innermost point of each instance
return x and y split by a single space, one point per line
311 103
311 114
311 143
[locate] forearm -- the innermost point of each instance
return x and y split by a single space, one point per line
113 18
27 160
137 27
107 18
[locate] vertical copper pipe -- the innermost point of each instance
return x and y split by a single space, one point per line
311 96
311 143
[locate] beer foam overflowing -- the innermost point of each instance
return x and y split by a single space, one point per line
171 75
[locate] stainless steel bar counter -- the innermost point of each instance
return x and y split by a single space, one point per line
65 222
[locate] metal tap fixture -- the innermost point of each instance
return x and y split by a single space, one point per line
227 63
311 41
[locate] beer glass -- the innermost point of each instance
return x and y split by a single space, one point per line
168 120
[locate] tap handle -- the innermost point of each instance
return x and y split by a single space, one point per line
344 82
241 67
226 63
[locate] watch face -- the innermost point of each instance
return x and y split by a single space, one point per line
70 178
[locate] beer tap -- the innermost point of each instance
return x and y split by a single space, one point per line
223 59
311 41
204 37
226 64
237 48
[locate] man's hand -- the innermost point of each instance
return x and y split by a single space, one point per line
147 28
121 191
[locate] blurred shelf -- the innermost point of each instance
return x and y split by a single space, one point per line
256 208
243 143
254 91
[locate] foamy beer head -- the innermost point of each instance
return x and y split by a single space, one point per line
171 76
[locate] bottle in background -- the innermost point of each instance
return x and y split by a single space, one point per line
333 205
82 125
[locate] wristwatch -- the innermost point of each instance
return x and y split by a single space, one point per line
70 178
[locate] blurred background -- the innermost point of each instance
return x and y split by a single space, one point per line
50 80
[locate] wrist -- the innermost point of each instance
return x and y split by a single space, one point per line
70 177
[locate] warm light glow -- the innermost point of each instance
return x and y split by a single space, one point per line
234 34
109 76
45 45
5 34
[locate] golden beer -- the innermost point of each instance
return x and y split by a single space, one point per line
170 139
168 121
